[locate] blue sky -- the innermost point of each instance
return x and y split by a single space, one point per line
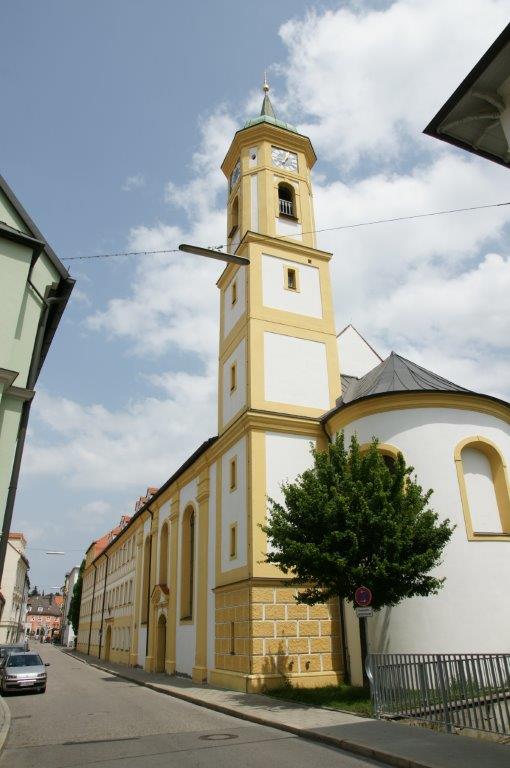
120 114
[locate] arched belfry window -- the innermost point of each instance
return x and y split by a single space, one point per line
234 216
484 491
188 563
163 555
286 200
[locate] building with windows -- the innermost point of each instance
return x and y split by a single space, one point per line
184 588
71 578
34 290
14 590
44 616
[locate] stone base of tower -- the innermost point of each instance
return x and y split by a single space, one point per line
264 639
236 681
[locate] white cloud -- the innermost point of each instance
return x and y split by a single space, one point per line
433 289
142 444
174 301
370 80
133 182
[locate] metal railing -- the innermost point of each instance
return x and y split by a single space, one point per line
286 207
455 690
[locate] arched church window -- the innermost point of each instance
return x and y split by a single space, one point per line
146 580
484 491
163 555
188 563
286 200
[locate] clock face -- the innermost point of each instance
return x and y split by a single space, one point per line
283 159
234 178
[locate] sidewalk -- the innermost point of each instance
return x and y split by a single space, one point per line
391 743
5 721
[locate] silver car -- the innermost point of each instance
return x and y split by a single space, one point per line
23 671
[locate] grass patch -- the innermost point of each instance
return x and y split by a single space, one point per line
348 697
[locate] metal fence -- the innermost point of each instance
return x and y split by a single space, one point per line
456 690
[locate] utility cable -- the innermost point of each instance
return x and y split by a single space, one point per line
310 232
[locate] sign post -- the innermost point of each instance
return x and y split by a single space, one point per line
363 599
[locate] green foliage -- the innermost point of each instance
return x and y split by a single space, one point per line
74 606
353 519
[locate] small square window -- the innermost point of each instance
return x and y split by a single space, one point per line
233 474
233 293
291 278
233 377
233 541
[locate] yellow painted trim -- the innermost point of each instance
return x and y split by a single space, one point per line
385 448
499 479
384 403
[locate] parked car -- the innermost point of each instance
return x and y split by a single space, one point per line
19 671
8 648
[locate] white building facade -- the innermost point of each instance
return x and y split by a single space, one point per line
68 635
14 590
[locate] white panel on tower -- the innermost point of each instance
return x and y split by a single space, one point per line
295 371
288 228
304 301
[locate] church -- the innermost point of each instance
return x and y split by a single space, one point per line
183 587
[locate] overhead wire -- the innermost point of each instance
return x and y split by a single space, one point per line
309 232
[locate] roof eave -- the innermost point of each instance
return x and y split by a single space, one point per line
417 392
462 90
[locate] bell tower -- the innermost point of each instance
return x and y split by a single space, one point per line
278 349
278 375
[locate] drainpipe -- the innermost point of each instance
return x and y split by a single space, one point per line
102 607
23 423
343 638
149 585
92 607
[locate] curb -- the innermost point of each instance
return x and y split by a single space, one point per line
6 724
344 744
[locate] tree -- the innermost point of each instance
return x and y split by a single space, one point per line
73 614
34 592
356 519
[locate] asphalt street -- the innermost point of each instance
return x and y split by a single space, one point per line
90 718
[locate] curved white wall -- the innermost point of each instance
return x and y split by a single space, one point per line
470 614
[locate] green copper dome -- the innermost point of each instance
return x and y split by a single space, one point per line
267 114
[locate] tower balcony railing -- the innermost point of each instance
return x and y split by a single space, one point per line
286 207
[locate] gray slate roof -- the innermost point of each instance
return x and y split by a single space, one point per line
395 374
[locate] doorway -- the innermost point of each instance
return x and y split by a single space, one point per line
161 644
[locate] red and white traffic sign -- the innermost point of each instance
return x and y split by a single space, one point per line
363 596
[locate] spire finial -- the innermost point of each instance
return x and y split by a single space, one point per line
267 107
